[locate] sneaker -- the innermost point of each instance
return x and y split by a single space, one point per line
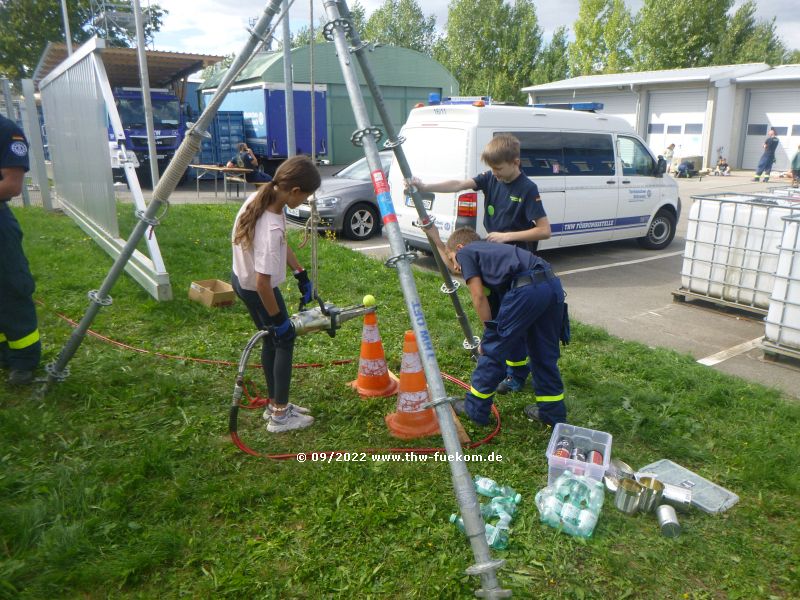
510 384
459 407
268 410
532 413
290 420
766 179
755 179
20 377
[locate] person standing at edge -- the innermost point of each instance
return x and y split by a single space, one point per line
513 215
20 348
768 157
260 258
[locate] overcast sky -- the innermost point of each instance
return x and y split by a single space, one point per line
219 26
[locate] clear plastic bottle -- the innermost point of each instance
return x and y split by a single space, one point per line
596 496
491 489
549 506
496 536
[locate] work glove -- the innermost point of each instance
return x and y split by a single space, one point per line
284 330
305 287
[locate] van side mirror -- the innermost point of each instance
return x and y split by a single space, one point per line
661 166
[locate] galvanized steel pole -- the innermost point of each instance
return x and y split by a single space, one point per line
367 136
291 144
147 100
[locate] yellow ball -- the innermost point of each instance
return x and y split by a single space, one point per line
369 300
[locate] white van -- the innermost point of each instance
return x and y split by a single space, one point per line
597 178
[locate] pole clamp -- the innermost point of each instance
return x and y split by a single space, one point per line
436 402
153 222
476 341
392 261
389 144
94 296
59 376
327 29
450 290
358 136
364 45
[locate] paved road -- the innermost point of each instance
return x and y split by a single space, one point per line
628 292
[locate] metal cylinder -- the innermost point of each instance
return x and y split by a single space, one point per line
668 521
677 497
627 498
652 490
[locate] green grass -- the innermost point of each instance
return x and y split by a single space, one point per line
122 482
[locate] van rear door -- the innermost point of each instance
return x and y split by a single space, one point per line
640 188
434 153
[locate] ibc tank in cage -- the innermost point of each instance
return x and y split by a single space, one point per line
783 319
732 245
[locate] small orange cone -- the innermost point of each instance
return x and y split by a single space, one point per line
410 420
374 378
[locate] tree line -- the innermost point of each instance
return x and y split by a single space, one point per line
492 47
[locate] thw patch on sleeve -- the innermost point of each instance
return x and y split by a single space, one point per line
19 148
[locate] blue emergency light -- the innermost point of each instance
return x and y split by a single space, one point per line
585 106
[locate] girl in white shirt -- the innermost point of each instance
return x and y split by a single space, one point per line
260 257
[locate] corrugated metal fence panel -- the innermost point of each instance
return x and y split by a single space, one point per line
77 135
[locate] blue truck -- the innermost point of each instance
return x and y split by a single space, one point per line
168 121
264 109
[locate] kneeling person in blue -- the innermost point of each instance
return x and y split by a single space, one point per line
531 314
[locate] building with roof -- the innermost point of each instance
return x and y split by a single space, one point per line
705 111
405 76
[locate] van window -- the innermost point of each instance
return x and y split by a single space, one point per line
541 152
636 160
588 154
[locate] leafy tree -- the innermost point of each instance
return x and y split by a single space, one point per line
792 58
603 32
552 63
748 40
490 46
26 27
402 23
303 35
678 33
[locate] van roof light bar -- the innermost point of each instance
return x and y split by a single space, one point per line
584 106
466 99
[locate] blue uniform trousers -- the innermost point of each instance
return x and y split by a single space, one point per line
765 164
529 317
20 347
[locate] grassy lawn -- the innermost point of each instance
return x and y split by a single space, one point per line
123 483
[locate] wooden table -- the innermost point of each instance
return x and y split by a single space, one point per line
226 173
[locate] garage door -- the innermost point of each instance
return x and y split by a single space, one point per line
618 104
677 117
772 108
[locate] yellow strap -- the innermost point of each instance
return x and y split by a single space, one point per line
518 363
550 398
480 395
2 338
28 340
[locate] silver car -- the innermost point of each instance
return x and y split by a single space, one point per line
346 201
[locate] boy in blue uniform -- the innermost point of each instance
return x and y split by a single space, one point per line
513 214
768 157
530 316
20 348
245 159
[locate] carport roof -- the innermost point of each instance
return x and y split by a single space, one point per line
779 73
122 64
699 74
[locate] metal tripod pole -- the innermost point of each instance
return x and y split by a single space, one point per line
57 371
394 142
366 135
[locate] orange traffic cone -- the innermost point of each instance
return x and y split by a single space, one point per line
374 378
410 420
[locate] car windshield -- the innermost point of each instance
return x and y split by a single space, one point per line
360 169
166 113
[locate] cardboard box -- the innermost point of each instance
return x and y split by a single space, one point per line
212 292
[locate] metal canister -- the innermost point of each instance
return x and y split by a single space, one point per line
627 497
578 454
677 497
563 447
668 521
595 457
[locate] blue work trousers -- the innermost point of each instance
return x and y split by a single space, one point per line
529 317
20 347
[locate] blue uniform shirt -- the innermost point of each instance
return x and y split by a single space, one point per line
13 147
496 264
511 206
771 144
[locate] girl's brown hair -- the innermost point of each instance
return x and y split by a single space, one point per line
298 171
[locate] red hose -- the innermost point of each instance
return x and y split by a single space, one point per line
259 402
